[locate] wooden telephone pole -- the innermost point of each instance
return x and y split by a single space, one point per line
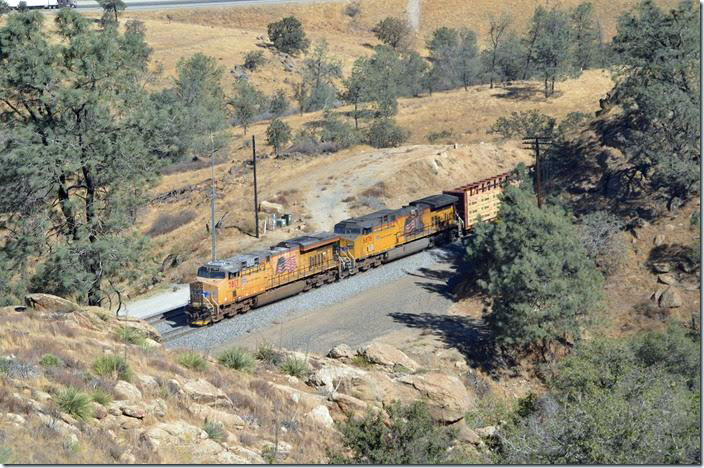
256 201
534 143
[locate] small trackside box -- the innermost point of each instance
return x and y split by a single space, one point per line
479 199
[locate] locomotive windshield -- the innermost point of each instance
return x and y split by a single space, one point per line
205 272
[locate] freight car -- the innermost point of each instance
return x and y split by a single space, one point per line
224 288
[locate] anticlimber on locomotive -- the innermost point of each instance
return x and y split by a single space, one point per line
224 288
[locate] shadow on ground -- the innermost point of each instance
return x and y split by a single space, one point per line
467 335
448 282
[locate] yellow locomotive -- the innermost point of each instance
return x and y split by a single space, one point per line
224 288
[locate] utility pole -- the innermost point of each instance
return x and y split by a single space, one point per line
534 143
212 199
256 201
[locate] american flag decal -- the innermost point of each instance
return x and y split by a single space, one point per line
205 293
286 263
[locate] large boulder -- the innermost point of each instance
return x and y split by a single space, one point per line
271 207
670 299
49 303
229 420
350 406
330 377
147 382
202 391
126 391
447 397
175 432
387 355
341 351
321 415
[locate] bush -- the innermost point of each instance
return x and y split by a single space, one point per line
353 9
267 354
278 133
113 366
434 137
615 401
600 234
410 437
167 222
214 430
294 367
279 103
288 35
75 403
237 358
338 132
49 360
525 124
101 396
131 335
384 133
192 360
254 60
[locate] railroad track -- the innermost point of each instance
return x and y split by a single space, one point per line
167 316
178 332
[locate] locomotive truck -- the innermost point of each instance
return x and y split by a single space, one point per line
224 288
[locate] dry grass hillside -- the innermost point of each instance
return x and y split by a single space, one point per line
321 190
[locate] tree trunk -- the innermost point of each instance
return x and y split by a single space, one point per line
95 270
66 208
552 85
356 127
493 67
546 86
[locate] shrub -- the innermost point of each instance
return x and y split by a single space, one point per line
113 366
254 60
278 134
49 360
267 354
237 358
192 360
279 103
362 361
410 437
338 132
101 396
295 367
167 222
288 35
599 232
131 335
384 133
434 137
75 403
214 430
353 9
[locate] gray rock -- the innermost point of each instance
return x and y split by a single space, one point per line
667 278
341 351
670 299
661 267
658 240
126 391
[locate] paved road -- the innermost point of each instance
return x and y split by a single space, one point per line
157 303
92 5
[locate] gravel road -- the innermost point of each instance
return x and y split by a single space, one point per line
355 310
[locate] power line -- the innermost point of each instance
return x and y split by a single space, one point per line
535 143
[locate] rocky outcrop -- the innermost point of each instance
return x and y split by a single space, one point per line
202 391
175 432
49 303
447 397
387 355
126 391
321 415
143 327
341 351
229 420
670 298
330 377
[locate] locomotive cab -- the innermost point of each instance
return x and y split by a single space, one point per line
206 294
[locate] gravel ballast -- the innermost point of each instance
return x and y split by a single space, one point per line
209 338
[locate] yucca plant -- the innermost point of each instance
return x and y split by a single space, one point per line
295 367
214 430
111 365
131 335
75 403
193 360
237 358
